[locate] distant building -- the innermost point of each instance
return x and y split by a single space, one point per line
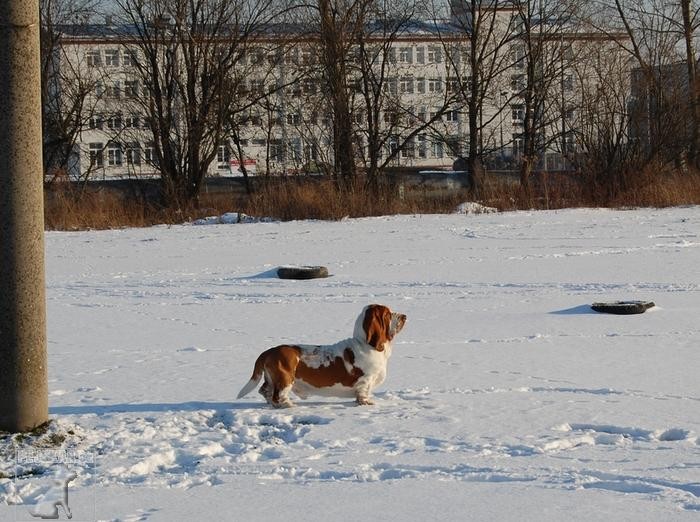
289 130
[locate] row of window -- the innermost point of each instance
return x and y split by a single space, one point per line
359 117
118 89
296 150
114 154
111 57
116 121
117 57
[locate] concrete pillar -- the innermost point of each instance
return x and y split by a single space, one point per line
23 375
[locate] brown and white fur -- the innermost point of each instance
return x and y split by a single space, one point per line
350 368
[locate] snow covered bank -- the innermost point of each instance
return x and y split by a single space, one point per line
507 397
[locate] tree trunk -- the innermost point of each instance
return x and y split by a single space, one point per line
693 86
333 42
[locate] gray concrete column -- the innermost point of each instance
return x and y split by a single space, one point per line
23 374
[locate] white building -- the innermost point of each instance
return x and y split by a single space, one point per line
289 129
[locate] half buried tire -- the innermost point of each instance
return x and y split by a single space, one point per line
302 272
623 307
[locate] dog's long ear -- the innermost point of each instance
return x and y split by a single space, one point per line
376 324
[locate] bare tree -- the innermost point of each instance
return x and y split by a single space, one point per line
690 23
187 49
489 26
650 33
70 89
394 110
340 22
602 126
542 28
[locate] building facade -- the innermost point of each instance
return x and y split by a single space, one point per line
408 100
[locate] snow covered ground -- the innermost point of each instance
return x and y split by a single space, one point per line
507 397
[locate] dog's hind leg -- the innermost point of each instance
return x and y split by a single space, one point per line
280 397
266 391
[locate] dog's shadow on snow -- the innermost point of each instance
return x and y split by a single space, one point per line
147 407
164 407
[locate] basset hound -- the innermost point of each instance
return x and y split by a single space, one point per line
350 368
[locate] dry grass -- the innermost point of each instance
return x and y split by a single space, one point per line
325 200
71 209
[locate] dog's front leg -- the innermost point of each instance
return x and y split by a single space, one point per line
363 392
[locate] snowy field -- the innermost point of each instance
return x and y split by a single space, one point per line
507 398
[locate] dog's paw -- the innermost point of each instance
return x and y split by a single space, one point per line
364 401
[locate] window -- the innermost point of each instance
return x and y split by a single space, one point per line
393 145
114 121
518 143
112 57
276 150
405 55
113 90
435 85
114 154
454 54
133 153
454 145
359 117
96 154
149 154
131 121
131 88
310 152
437 149
94 58
391 52
223 155
422 151
568 82
257 86
452 115
309 86
420 55
307 57
294 148
434 54
452 84
257 57
130 58
420 85
406 85
518 113
292 57
409 149
294 89
517 82
392 117
294 118
569 142
95 122
518 56
393 86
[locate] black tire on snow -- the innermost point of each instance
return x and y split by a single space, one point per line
623 307
302 272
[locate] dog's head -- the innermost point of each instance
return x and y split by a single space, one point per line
377 325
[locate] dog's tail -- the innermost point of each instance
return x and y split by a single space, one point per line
257 374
